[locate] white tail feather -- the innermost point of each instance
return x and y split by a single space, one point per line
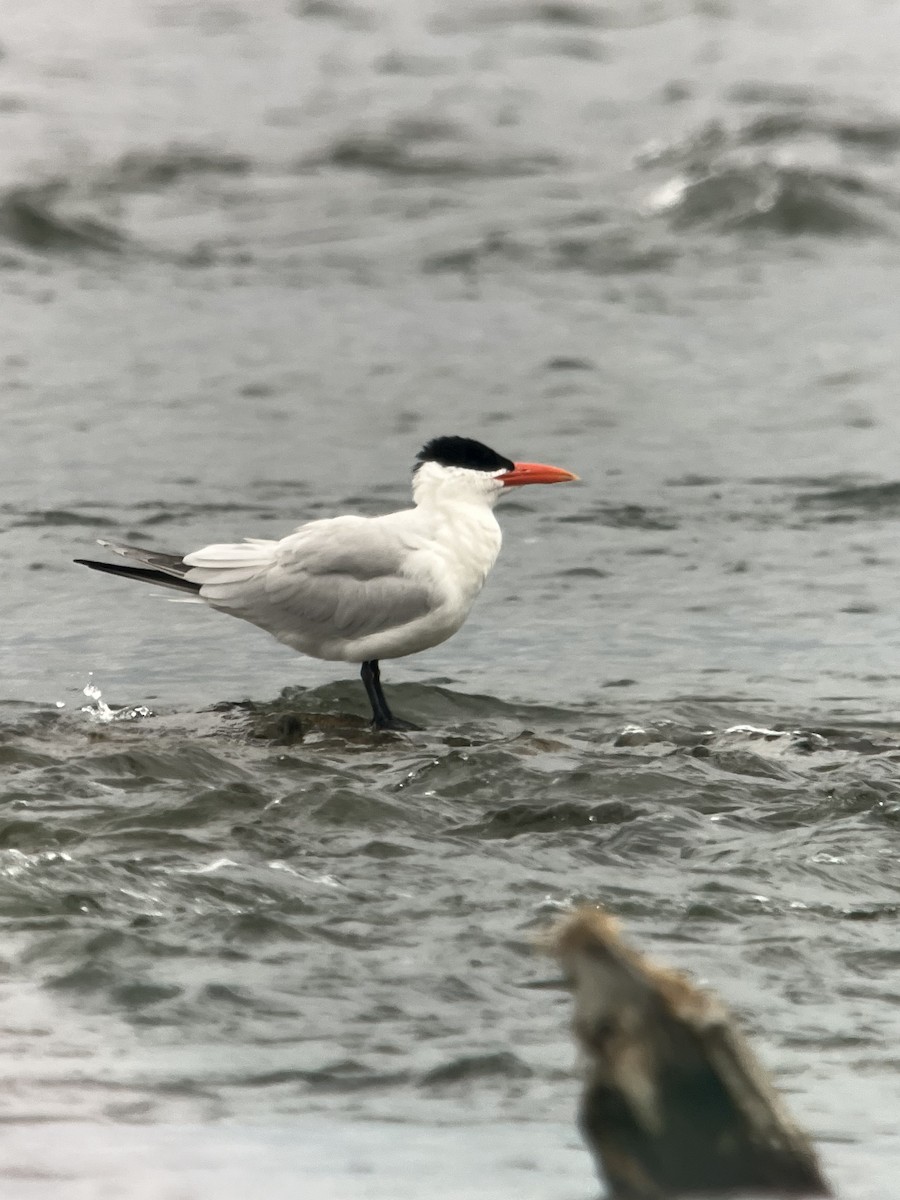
254 552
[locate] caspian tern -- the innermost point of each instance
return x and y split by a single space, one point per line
359 589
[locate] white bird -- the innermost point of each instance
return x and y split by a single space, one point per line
359 589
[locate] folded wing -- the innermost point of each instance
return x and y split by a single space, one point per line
345 578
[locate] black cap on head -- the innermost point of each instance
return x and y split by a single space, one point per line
462 452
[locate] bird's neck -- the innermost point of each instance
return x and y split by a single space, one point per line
468 535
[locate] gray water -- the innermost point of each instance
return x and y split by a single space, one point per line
253 255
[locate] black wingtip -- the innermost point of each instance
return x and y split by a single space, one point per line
144 574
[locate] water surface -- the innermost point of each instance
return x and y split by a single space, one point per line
254 255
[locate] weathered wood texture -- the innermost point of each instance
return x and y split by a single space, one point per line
675 1103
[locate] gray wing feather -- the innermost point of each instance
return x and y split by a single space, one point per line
347 574
171 564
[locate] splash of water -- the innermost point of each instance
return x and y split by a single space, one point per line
99 710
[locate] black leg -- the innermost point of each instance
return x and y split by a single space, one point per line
382 717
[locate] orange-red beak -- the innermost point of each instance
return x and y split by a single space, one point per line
535 473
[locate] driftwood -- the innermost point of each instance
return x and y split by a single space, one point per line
675 1103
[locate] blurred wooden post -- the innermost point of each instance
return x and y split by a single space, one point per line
675 1103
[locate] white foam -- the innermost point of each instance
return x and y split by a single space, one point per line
100 711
